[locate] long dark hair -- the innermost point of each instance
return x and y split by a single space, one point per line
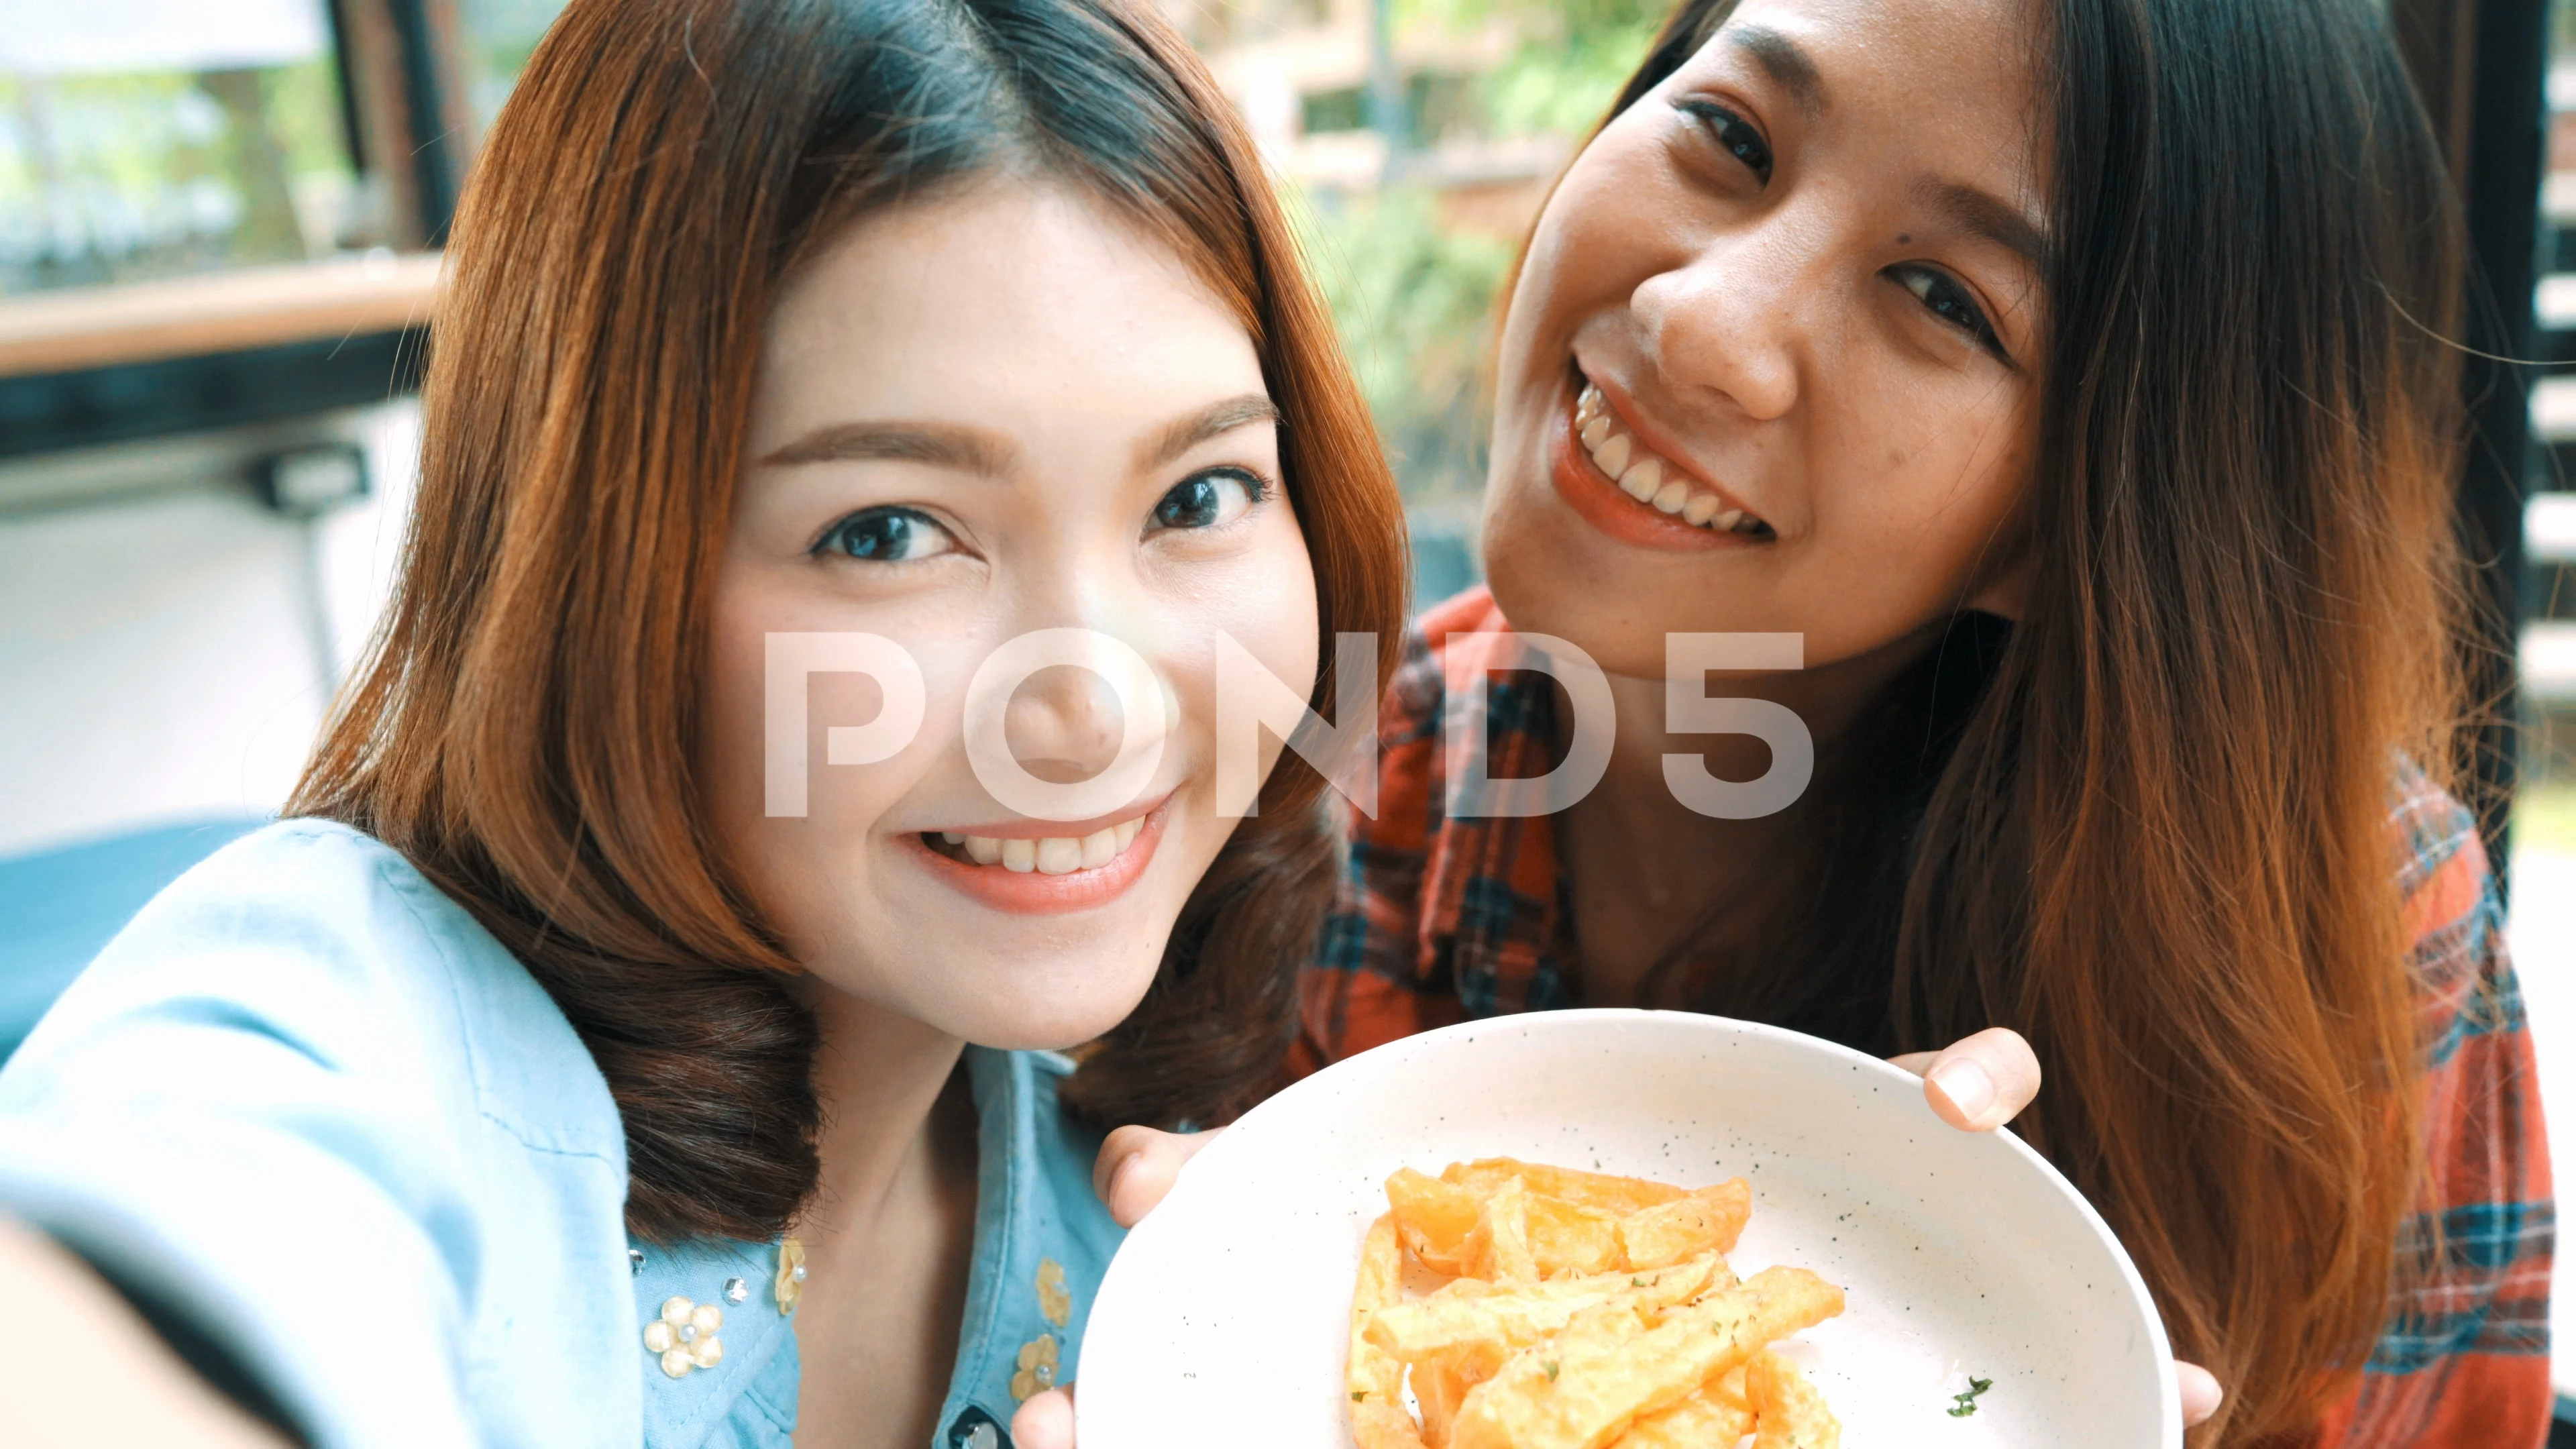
523 729
2148 826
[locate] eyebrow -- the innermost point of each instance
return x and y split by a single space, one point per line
1786 63
1212 421
1979 213
944 445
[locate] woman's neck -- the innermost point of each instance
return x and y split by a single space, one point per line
877 1075
889 1233
1644 870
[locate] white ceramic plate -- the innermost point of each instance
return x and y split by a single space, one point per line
1225 1317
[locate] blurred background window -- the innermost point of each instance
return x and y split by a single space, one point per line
154 138
497 38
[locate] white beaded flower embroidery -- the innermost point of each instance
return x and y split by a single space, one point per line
685 1336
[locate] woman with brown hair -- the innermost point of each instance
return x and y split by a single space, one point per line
638 1032
2072 382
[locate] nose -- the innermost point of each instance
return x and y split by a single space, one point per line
1737 319
1064 724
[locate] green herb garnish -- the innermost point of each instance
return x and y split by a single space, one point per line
1962 1405
1358 1394
1550 1366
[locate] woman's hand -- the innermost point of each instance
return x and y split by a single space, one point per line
1133 1174
1976 1085
1982 1082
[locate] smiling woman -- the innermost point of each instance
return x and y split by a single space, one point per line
2077 379
948 322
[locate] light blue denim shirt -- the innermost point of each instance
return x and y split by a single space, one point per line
308 1103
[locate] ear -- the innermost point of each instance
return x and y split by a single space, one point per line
2006 592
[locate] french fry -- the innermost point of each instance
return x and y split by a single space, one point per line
1498 1249
1788 1412
1376 1377
1432 1217
1523 1406
1608 1368
1599 1190
1566 1237
1468 1311
1442 1380
1706 1221
1702 1421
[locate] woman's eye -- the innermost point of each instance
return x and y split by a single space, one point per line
1942 296
1204 500
1734 134
887 535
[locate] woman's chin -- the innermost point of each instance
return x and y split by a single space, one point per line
1055 1022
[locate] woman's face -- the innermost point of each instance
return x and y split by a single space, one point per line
1802 275
977 418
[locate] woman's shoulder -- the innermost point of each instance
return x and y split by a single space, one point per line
2452 914
306 1103
318 936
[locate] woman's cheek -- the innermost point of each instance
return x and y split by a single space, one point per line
1265 606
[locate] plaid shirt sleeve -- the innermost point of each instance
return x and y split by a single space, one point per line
2464 1361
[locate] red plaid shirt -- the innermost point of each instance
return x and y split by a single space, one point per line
1439 920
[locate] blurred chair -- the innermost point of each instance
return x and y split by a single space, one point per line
58 907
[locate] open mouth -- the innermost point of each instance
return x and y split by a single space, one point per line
1651 479
1044 855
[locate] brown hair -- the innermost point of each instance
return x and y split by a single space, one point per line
522 731
2149 825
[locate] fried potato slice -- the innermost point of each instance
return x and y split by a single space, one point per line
1706 1221
1601 1191
1705 1420
1788 1412
1469 1311
1585 1387
1375 1377
1498 1249
1566 1237
1442 1381
1432 1217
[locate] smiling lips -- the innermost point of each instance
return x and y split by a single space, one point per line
1051 854
1649 478
1045 874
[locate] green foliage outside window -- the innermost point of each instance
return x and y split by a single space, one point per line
1415 296
1414 303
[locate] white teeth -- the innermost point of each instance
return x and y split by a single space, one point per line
1050 855
1613 455
1643 479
